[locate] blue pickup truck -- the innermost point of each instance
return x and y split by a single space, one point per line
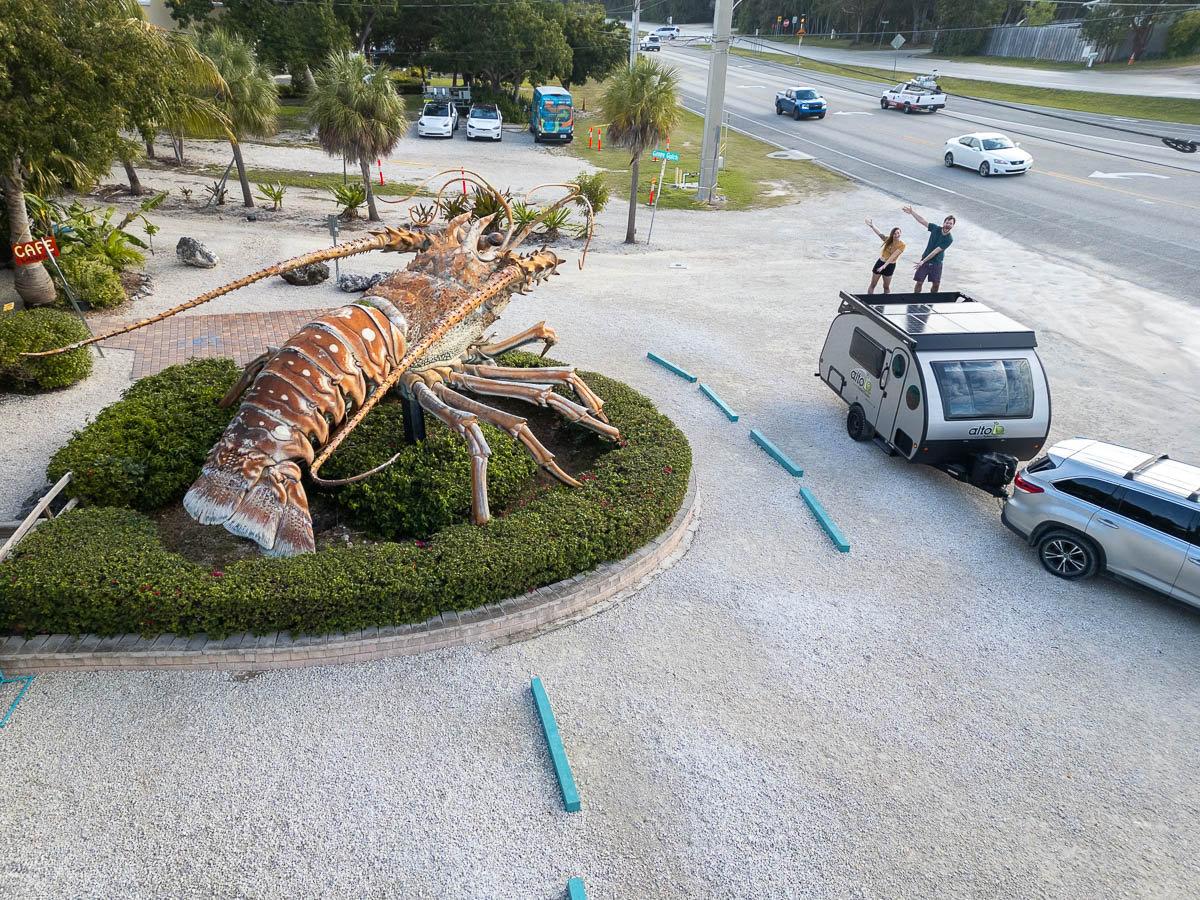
800 103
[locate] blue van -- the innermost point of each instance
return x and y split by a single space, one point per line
553 116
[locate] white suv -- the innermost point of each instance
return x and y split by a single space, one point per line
667 32
1088 506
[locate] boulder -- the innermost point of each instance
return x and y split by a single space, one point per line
193 253
352 284
313 273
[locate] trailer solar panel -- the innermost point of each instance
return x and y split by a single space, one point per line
947 320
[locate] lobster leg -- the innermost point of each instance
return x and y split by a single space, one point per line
531 335
538 394
564 375
514 425
466 425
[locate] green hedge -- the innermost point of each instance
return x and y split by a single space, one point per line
31 330
145 450
429 486
104 570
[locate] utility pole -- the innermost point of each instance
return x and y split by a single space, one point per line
633 33
714 109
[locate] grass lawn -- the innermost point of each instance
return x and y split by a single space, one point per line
750 179
1162 109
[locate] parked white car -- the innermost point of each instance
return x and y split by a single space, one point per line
438 119
988 153
667 32
484 121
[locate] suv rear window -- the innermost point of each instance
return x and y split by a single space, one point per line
1172 519
1092 490
985 388
866 352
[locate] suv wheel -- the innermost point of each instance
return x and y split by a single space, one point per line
1067 555
856 423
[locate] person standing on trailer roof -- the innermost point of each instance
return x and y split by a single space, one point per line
885 266
930 264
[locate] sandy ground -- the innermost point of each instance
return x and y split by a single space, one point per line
929 715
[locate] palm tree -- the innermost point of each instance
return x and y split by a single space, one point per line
252 101
641 104
357 113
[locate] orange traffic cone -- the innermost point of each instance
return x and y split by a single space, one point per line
599 139
589 138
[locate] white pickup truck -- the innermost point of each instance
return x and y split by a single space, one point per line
912 97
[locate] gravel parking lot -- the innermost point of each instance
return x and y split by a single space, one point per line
930 715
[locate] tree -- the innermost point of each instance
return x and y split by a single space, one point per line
963 27
641 105
1041 13
251 101
70 72
357 113
285 37
1107 25
598 46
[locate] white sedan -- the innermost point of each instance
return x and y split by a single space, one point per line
438 119
988 153
484 121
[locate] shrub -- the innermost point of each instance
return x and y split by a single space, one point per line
595 189
146 449
92 280
273 192
513 113
1183 38
429 486
351 196
32 330
104 571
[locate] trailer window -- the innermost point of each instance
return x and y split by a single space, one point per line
985 388
866 352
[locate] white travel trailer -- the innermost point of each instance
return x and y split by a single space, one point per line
939 379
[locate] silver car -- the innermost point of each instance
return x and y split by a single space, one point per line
1088 506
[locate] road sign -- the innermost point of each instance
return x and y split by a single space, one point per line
898 42
30 252
665 155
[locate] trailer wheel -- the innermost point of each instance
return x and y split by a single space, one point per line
856 424
1067 555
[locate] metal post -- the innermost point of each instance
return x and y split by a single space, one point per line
633 36
715 102
653 212
71 296
332 220
414 421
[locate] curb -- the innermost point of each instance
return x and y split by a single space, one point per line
519 616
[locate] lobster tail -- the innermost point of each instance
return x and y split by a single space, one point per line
253 495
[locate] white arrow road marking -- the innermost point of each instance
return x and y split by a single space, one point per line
855 113
1123 175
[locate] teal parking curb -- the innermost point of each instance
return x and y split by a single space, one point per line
682 373
558 753
721 404
835 533
778 455
28 679
575 889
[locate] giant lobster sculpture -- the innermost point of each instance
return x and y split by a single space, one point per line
421 330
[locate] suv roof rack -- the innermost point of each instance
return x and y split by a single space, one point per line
1144 465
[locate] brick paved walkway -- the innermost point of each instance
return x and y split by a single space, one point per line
237 336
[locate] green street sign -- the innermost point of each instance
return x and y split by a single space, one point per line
665 154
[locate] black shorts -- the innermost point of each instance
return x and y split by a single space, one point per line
887 271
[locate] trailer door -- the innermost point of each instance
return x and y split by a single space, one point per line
868 358
900 418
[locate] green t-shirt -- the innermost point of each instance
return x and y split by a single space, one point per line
937 239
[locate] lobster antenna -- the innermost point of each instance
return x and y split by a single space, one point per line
387 239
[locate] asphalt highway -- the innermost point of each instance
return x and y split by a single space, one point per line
1105 198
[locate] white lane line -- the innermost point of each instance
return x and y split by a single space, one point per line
1123 175
858 159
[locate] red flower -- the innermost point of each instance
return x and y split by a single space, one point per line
217 574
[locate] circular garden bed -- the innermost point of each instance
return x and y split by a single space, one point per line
394 548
